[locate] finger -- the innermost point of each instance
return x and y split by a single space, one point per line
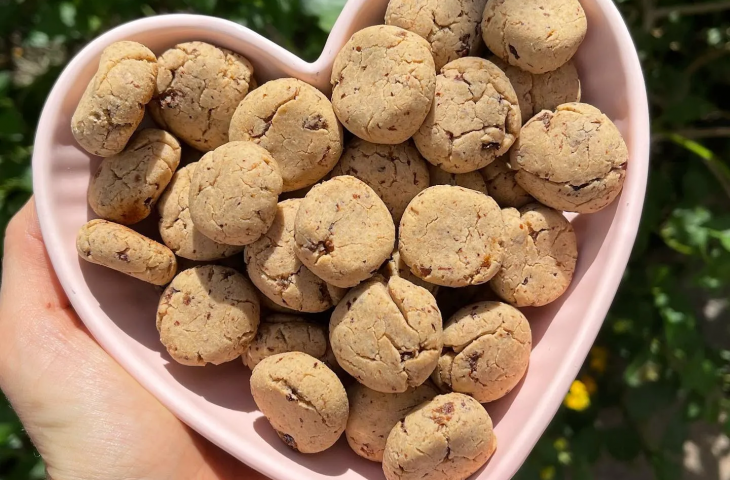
37 325
26 265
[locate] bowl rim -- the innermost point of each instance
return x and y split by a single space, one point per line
573 358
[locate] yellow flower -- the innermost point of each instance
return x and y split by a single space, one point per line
598 359
577 398
547 473
590 384
561 444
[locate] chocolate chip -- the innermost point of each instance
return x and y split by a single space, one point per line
545 119
289 440
328 246
513 51
473 360
314 122
464 50
579 187
171 99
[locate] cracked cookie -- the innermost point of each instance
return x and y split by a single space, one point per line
176 226
198 88
234 192
538 92
383 83
573 159
127 185
474 119
486 351
448 438
452 236
374 414
303 400
124 250
396 172
343 231
471 180
276 271
113 103
452 27
541 251
396 267
502 185
279 333
208 314
537 36
295 122
387 334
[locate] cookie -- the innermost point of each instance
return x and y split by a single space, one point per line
448 438
176 226
285 333
208 314
387 334
474 119
383 83
486 351
276 271
295 122
573 159
502 185
198 88
539 259
127 185
538 36
396 172
303 400
452 236
538 92
113 103
124 250
452 27
471 180
233 193
374 414
343 231
396 267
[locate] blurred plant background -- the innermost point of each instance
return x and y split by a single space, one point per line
652 399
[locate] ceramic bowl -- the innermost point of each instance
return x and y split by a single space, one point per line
216 401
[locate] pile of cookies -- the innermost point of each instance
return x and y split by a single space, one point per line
415 231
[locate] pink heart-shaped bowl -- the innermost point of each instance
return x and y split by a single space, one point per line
120 311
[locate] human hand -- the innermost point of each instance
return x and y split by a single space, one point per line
88 418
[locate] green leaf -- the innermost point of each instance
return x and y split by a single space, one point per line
665 469
642 402
326 10
675 433
67 12
622 443
586 444
11 122
698 374
719 169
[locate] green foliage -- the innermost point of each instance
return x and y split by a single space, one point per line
658 365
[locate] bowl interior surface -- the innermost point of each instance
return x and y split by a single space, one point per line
120 311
